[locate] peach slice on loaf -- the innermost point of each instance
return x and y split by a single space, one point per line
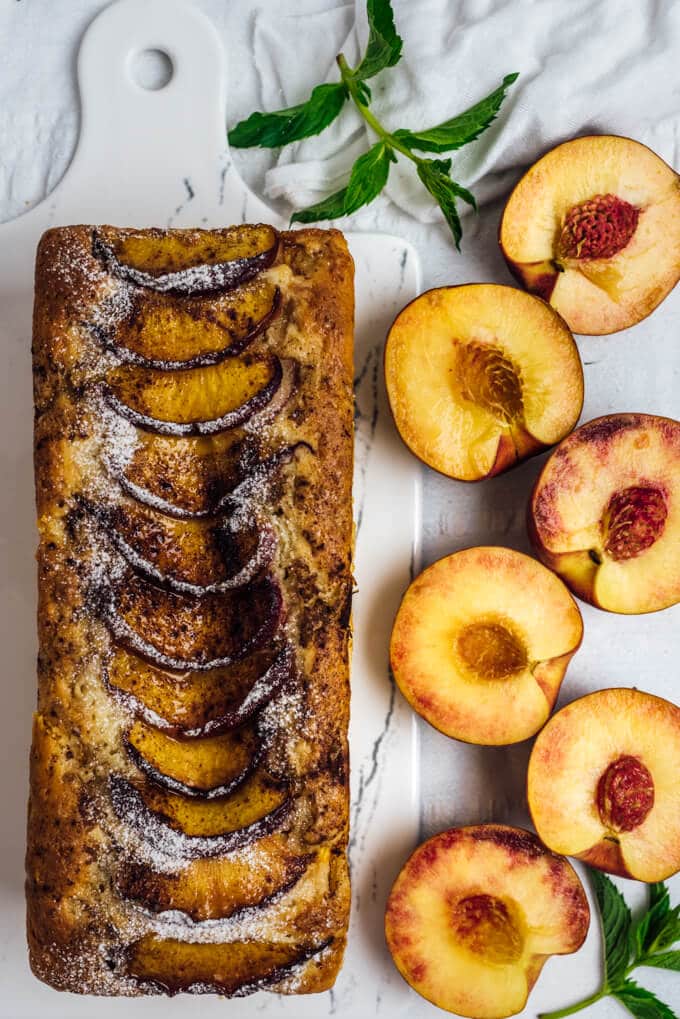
475 913
480 377
594 228
481 643
604 783
605 512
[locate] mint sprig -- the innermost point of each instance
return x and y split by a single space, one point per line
629 945
370 172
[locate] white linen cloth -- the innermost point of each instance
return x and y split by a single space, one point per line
586 65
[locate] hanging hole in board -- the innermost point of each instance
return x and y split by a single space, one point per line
151 69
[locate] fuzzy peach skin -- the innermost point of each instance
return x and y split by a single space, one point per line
475 913
605 512
603 783
481 644
480 377
594 228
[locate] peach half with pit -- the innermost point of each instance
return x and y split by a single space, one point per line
475 913
594 228
603 783
481 643
605 512
480 377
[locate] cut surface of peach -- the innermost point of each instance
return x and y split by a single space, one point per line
605 512
474 914
604 783
480 377
594 228
481 642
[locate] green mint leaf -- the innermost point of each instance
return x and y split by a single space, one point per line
384 45
642 1003
654 920
329 208
284 126
669 932
616 925
663 960
434 173
367 179
454 133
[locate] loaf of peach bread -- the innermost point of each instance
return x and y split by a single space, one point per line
188 812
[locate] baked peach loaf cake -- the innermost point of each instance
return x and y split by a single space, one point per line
193 452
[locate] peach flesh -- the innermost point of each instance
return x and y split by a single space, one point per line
491 650
598 228
625 794
488 927
634 519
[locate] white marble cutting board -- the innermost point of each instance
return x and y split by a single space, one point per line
159 158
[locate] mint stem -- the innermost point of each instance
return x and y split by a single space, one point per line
559 1013
370 118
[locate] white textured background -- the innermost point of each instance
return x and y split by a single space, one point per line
587 65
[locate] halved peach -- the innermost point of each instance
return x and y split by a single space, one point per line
605 512
594 228
475 913
604 783
481 643
480 377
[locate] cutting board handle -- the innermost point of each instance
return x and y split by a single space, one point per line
169 143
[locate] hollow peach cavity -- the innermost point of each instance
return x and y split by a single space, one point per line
625 794
489 927
633 520
491 650
598 228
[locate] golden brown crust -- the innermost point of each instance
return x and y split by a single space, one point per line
99 866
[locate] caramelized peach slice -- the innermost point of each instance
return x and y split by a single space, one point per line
481 643
475 913
594 228
187 477
221 484
214 889
604 783
480 377
187 261
187 556
197 401
195 704
175 824
161 332
180 632
210 767
235 967
605 512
